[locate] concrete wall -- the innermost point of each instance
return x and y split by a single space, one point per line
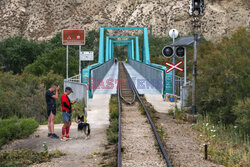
80 91
153 75
99 73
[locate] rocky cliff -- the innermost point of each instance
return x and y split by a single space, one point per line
41 19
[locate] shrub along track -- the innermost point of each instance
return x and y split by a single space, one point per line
136 143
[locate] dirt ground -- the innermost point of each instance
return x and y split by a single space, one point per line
79 151
183 147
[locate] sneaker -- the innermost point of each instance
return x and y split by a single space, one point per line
54 136
64 138
49 134
68 137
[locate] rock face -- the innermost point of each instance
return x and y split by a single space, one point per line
42 19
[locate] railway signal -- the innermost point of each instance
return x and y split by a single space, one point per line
196 7
168 51
196 10
180 51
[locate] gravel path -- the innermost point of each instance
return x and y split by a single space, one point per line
138 141
79 151
182 145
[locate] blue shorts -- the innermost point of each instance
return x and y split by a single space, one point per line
66 116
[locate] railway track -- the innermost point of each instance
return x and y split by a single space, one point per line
136 142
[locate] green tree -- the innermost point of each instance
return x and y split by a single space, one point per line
17 52
54 61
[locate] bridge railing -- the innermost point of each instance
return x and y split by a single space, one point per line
178 84
153 75
76 78
80 90
97 74
158 72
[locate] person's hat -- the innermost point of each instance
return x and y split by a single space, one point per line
69 88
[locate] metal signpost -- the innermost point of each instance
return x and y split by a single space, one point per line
72 37
181 52
80 76
67 62
173 33
185 68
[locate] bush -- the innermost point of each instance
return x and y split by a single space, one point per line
78 109
15 128
25 157
242 112
112 131
113 107
223 83
112 137
58 118
24 95
225 144
51 78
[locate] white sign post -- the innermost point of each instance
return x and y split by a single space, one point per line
173 33
80 76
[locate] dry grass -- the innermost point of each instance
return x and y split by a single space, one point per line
226 145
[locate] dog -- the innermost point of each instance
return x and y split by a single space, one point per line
83 126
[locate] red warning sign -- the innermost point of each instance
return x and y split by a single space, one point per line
73 37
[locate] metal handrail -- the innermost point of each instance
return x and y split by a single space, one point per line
119 156
75 78
179 81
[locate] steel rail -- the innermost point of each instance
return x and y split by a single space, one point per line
133 100
120 89
150 120
119 149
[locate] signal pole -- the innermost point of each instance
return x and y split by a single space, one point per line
196 10
174 69
173 33
193 111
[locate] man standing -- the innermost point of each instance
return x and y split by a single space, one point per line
66 113
51 108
